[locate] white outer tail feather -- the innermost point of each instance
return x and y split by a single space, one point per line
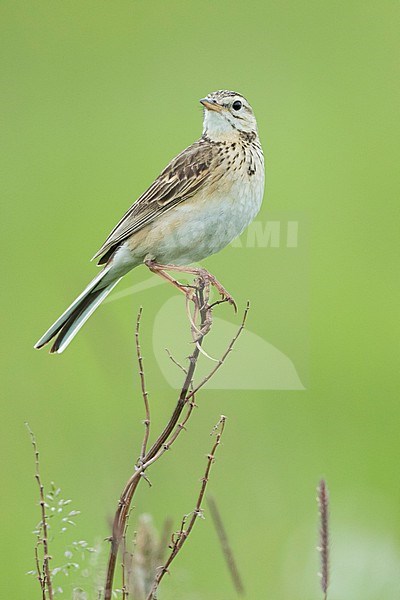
84 317
81 320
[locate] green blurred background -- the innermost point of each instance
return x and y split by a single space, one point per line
96 98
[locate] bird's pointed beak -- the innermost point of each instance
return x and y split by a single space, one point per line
211 104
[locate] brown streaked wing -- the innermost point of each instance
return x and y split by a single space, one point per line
182 178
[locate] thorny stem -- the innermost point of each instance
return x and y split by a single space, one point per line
39 570
126 564
188 379
181 367
123 567
183 534
44 573
151 455
223 357
170 433
143 386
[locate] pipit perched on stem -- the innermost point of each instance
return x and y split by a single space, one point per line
202 200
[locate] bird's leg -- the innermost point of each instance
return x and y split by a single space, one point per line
205 280
160 270
205 276
190 292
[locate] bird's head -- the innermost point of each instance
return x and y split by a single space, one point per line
226 114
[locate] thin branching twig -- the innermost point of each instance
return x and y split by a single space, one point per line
179 538
126 564
178 364
157 449
221 361
145 394
43 571
170 432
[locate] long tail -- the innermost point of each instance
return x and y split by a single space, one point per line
67 326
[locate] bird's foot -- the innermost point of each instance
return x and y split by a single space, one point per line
203 275
211 279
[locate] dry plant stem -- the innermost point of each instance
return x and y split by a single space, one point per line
39 571
143 385
44 573
125 554
225 545
153 454
183 534
168 436
224 356
181 367
127 558
323 503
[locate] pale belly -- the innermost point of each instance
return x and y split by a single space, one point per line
198 227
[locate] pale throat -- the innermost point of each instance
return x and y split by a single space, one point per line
218 129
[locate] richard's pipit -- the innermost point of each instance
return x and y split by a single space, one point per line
202 200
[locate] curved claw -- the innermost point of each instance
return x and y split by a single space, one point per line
231 301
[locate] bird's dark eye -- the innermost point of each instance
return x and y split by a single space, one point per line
237 105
